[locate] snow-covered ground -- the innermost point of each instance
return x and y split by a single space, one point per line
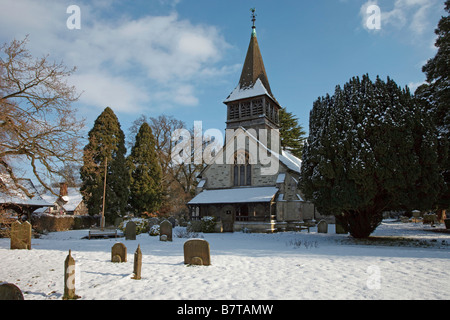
282 266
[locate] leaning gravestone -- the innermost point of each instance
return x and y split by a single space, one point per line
196 252
130 231
9 291
165 228
322 226
119 253
21 235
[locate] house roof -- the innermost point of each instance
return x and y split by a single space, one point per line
235 195
72 199
11 194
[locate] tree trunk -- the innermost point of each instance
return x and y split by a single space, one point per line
362 223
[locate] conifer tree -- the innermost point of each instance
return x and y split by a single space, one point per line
146 192
370 149
106 145
292 134
435 96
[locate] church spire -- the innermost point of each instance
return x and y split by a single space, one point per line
253 68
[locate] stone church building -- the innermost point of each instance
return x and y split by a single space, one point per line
252 184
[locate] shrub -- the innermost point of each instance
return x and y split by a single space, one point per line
154 230
208 224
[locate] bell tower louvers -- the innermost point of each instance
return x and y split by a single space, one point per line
252 105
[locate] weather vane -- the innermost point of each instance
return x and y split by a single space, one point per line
253 16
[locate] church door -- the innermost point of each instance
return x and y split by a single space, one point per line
228 217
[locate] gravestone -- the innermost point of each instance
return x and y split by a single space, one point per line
196 252
165 228
137 264
9 291
173 221
69 278
130 231
119 253
118 221
21 235
322 226
152 221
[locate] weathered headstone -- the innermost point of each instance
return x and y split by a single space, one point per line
21 235
165 228
69 278
137 264
173 221
322 226
130 231
9 291
119 253
118 221
196 252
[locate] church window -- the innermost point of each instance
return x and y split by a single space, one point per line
245 109
242 170
257 107
234 111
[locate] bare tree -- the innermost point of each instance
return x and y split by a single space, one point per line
38 125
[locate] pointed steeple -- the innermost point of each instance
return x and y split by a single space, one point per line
251 105
254 66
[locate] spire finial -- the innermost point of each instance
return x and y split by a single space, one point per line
253 20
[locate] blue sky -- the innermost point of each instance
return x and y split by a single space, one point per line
183 57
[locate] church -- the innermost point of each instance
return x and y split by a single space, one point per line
252 184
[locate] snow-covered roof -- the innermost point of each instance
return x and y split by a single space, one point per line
257 89
15 195
235 195
281 177
72 199
287 158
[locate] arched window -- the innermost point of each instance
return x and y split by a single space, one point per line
242 169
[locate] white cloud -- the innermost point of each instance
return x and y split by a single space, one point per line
410 14
121 62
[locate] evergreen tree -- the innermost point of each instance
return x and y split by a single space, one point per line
146 192
292 134
370 149
435 96
106 145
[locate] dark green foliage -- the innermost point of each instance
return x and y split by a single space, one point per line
371 148
146 176
106 142
435 96
292 134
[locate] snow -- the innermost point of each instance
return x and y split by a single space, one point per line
281 266
235 195
72 199
239 93
17 196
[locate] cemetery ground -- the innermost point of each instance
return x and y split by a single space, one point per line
402 261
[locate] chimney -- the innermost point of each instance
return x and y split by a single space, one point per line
62 189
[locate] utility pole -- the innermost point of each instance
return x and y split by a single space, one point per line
102 223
